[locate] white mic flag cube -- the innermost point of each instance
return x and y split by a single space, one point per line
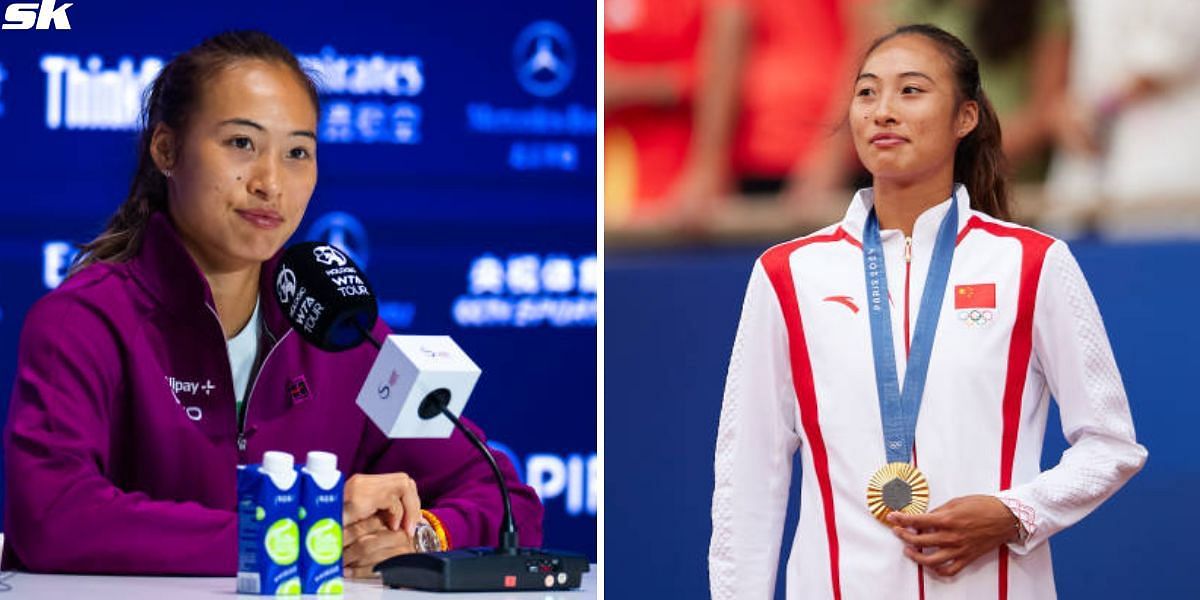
406 370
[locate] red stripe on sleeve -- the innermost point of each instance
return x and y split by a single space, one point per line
777 264
1034 246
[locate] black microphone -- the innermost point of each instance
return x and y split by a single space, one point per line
329 303
325 297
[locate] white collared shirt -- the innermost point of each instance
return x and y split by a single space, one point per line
243 352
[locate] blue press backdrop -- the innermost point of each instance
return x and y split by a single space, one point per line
457 160
671 321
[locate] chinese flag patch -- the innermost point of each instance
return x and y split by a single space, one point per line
979 295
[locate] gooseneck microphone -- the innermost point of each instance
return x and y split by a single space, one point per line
434 404
330 305
325 297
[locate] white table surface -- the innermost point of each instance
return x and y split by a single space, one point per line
114 587
111 587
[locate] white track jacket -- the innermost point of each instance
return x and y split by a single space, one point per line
1018 325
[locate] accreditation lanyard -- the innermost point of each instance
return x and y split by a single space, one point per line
898 408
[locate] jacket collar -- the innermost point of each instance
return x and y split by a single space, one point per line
924 230
165 269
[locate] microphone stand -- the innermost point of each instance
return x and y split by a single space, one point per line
436 403
505 567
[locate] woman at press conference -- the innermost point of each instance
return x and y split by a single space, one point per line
909 352
163 362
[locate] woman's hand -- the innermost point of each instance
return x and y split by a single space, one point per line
957 533
392 494
369 542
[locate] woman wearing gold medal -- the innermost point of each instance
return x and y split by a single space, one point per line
910 353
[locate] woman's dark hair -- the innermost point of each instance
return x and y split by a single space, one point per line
170 101
978 161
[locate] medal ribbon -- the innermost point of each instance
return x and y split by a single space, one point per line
898 408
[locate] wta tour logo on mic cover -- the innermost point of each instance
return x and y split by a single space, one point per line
325 295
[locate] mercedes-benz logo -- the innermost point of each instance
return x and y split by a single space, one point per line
344 232
544 58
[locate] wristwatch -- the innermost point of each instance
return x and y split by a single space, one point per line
426 538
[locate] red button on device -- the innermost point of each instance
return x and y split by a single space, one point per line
510 581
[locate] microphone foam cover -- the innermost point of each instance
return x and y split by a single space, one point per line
325 296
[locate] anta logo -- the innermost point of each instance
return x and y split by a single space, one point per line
31 15
191 387
846 301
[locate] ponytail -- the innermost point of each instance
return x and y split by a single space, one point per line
122 236
980 165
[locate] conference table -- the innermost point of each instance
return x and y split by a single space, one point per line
112 587
116 587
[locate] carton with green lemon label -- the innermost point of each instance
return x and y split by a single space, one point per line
321 525
268 530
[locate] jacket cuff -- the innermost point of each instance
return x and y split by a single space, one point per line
1026 516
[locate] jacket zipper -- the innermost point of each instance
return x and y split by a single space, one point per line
907 276
241 418
907 346
250 393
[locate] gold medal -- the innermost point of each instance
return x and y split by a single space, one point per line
897 486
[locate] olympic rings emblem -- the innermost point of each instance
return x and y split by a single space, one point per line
975 317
